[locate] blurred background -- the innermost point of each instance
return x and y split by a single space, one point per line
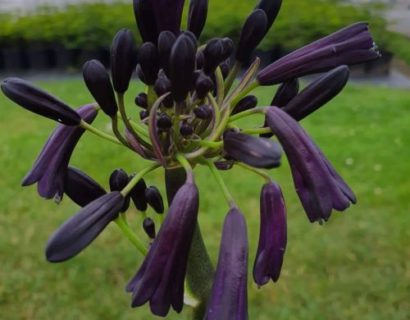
356 266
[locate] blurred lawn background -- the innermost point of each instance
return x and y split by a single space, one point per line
356 266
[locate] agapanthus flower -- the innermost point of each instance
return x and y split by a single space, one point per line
187 117
50 168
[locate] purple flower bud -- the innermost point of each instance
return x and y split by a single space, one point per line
229 297
200 59
38 101
186 130
252 34
154 199
272 235
118 181
203 85
244 104
162 85
138 195
271 8
351 45
319 187
198 12
149 62
146 21
168 14
50 168
216 51
141 100
256 152
164 122
182 67
225 68
139 73
123 59
224 165
81 188
149 227
203 112
144 114
318 93
160 279
286 92
99 84
81 229
166 40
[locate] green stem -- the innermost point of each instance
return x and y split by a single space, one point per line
139 129
247 113
232 76
130 235
257 130
184 163
220 86
151 96
221 183
98 132
260 173
114 125
209 144
137 178
245 92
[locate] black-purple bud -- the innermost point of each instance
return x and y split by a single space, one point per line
186 130
145 17
203 112
141 100
200 60
198 11
192 37
162 85
182 67
123 59
203 85
149 62
99 84
118 181
38 101
214 54
154 199
224 165
164 122
166 40
149 227
318 93
271 8
144 114
244 104
139 73
81 188
286 92
256 152
138 195
225 68
228 46
252 34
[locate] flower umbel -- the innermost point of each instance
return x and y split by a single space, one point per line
188 114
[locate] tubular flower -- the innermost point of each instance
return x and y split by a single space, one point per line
188 116
229 297
272 235
160 279
351 45
50 168
319 187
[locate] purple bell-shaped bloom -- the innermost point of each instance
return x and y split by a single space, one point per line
50 168
351 45
160 279
272 235
318 185
229 297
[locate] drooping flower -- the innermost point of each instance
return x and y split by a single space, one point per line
351 45
81 188
229 296
50 168
81 229
160 279
319 187
272 235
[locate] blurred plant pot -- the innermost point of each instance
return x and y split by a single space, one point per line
64 57
40 57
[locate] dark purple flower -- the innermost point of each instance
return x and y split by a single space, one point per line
166 40
252 34
198 12
256 152
285 93
244 104
351 45
81 229
318 93
271 8
229 297
81 188
99 84
160 279
149 62
118 181
216 51
154 199
272 235
319 187
146 21
50 168
138 195
149 227
168 14
38 101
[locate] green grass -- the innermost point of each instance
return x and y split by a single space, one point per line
354 267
